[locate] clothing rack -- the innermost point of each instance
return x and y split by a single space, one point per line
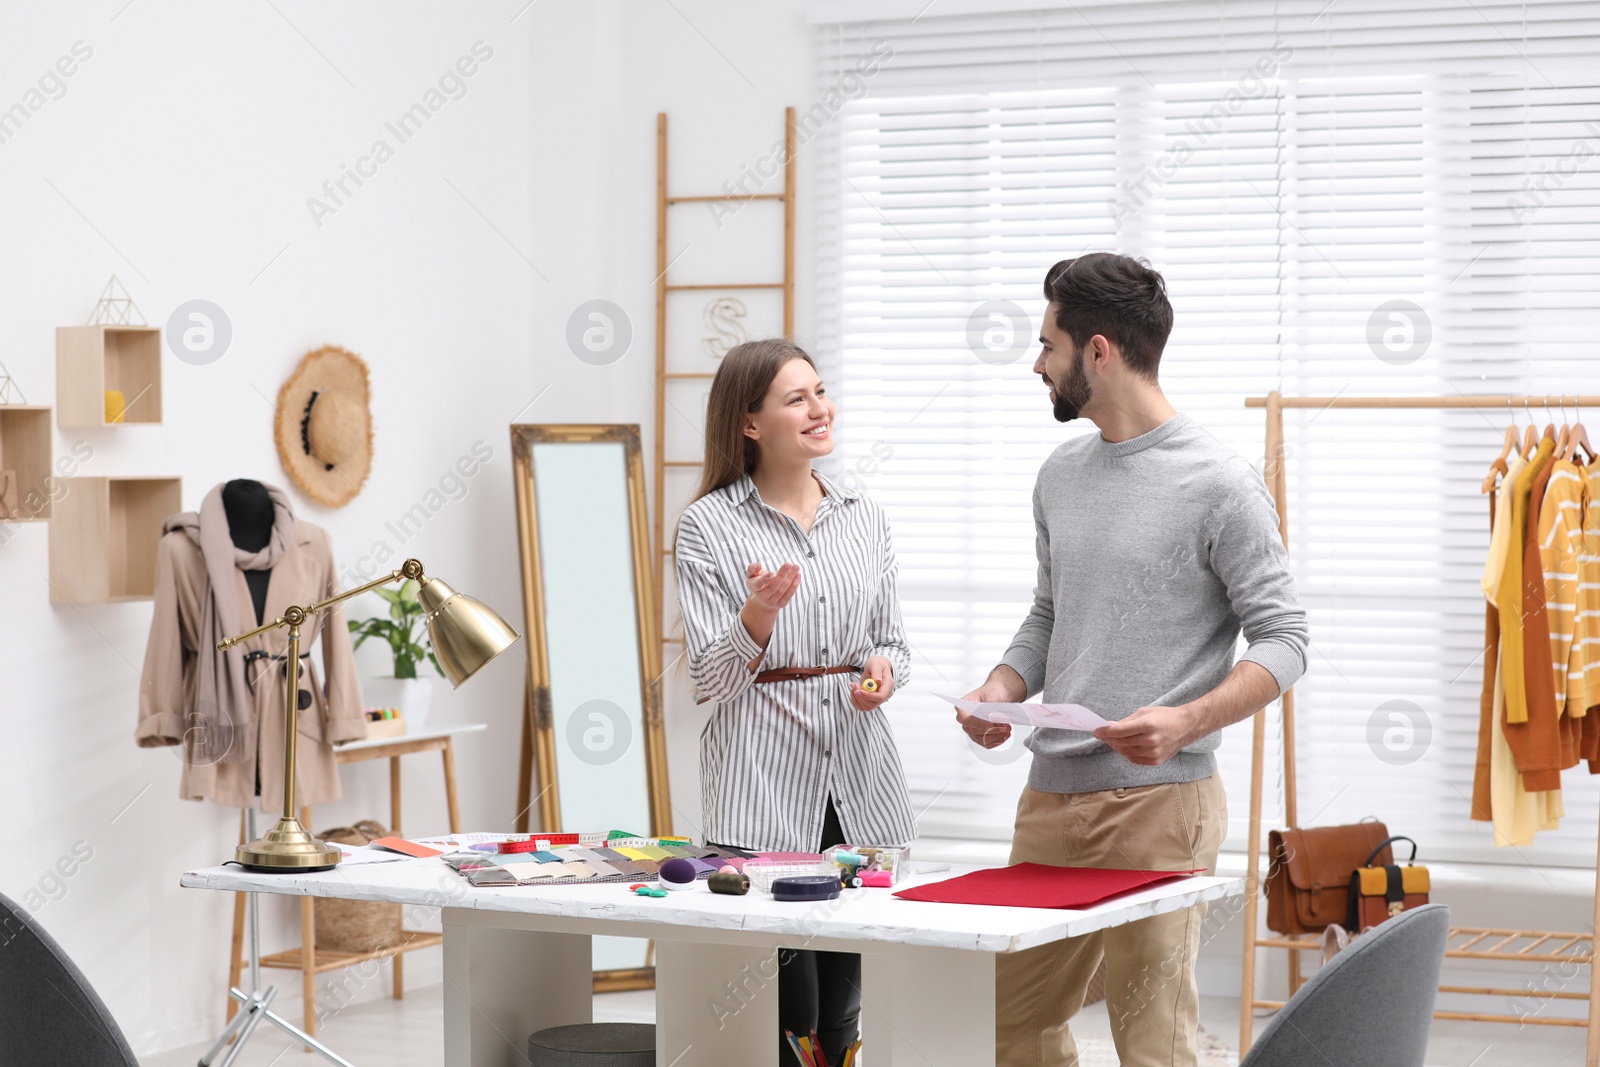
1541 946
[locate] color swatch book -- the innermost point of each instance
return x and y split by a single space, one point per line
615 857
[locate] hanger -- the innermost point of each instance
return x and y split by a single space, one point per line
1498 469
1578 438
1530 437
1563 434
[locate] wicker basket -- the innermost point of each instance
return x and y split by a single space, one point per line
356 925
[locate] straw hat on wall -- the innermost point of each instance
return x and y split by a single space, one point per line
324 426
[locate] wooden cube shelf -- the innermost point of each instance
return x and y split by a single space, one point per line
25 436
103 537
93 359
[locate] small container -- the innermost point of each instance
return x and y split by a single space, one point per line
862 860
762 875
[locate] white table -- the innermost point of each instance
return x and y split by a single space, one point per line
517 958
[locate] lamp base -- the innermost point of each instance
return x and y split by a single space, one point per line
288 847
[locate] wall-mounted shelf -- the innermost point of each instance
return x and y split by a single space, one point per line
103 537
93 359
25 451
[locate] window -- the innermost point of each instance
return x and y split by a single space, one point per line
1350 199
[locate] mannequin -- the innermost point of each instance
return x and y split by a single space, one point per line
193 694
249 511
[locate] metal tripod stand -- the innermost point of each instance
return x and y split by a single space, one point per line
256 1004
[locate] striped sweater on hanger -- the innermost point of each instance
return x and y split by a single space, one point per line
1561 543
1589 588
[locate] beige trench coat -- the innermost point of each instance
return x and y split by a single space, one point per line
303 575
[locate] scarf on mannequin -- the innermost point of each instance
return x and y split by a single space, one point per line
223 702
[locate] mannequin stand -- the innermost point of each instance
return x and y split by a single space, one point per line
256 1004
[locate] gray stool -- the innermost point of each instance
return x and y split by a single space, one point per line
594 1045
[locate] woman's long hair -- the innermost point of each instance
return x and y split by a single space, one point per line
740 385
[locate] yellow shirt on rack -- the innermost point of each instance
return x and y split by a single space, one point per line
1494 566
1510 599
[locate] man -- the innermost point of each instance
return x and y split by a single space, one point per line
1157 546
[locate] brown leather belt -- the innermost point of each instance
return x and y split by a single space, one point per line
794 674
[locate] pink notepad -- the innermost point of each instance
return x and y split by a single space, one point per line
1039 885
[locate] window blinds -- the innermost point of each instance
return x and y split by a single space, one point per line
1345 199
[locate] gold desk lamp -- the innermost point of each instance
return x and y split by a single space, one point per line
465 635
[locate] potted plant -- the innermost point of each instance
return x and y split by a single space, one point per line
403 690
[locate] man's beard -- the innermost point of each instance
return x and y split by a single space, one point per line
1070 396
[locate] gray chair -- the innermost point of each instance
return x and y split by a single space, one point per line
1370 1006
49 1014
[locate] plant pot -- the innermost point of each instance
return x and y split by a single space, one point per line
410 696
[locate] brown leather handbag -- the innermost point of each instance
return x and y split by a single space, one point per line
1380 893
1309 872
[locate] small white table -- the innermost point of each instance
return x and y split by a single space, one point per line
517 958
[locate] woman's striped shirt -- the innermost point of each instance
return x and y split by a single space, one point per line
773 753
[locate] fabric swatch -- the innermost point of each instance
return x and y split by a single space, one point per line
1039 885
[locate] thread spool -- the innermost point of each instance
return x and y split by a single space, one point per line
869 685
733 884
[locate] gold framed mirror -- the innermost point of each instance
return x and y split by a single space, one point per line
594 753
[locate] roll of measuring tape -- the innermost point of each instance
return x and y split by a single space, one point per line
506 847
806 887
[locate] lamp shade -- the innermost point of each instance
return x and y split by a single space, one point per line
465 633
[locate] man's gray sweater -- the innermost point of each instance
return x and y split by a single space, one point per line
1154 554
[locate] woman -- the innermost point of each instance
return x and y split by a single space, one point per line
787 585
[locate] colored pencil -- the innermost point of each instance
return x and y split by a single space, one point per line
794 1043
816 1047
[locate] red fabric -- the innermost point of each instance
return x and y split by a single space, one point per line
1039 885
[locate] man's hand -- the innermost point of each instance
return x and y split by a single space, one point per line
1003 686
1150 736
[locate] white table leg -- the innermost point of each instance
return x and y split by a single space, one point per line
716 1005
502 985
927 1007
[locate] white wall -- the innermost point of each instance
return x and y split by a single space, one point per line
180 157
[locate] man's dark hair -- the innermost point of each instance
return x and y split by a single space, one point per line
1116 296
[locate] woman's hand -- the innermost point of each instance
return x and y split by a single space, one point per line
771 591
768 594
879 670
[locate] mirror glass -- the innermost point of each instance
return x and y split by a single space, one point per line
591 628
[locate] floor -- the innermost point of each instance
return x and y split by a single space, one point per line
408 1032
